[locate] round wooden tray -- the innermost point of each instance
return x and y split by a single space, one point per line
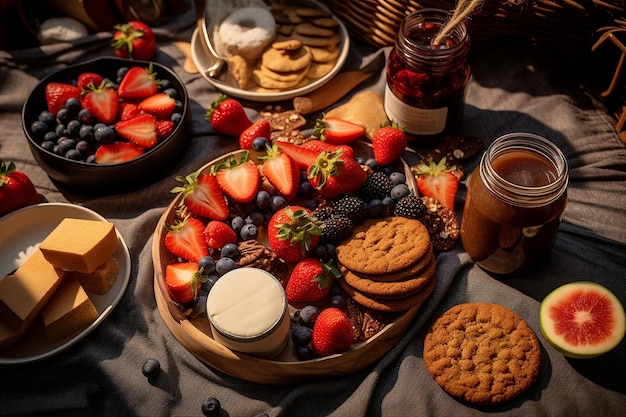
195 333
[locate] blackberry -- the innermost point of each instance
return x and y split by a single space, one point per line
323 213
336 228
378 185
352 207
411 207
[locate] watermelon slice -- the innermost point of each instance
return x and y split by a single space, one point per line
582 319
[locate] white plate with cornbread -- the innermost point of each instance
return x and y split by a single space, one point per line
279 51
86 298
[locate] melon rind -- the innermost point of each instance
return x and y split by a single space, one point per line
585 351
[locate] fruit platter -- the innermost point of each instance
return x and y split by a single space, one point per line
191 327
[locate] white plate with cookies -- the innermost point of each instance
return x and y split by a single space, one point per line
274 52
22 231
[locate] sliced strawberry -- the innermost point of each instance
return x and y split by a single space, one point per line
337 131
438 181
102 102
202 196
138 83
128 110
185 239
141 130
218 234
164 128
304 157
183 281
88 79
58 93
282 172
240 180
319 146
118 152
160 105
259 129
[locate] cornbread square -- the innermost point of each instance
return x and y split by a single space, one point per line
24 293
80 245
100 280
69 311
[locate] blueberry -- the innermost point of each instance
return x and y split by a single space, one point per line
85 117
48 145
338 301
38 129
308 315
151 368
73 128
211 407
121 72
389 204
207 263
256 218
74 155
304 353
165 84
258 144
262 200
224 265
50 136
230 250
305 189
86 132
171 92
210 281
301 335
359 160
372 163
64 115
249 231
199 305
332 250
311 204
397 177
237 223
176 117
278 202
60 130
91 159
375 207
399 191
387 170
320 252
48 118
73 105
104 134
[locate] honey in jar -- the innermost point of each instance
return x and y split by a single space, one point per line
425 91
515 201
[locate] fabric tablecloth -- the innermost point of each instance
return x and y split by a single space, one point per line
514 88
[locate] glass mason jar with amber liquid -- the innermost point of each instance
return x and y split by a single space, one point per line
425 91
514 204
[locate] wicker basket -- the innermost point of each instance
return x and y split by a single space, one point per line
573 25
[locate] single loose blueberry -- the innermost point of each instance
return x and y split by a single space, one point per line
211 407
151 368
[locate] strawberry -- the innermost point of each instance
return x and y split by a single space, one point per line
282 172
335 175
16 189
304 157
337 131
141 130
183 281
58 93
102 101
332 332
217 234
388 142
164 128
438 181
159 105
202 196
319 146
138 83
310 280
134 40
88 79
117 152
228 116
259 129
293 233
240 180
128 110
185 239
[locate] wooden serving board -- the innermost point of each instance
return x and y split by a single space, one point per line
195 333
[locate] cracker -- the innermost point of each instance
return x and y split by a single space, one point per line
382 246
482 353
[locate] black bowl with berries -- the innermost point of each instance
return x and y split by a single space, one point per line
107 125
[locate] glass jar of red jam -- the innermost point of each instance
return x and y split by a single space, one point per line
514 204
425 91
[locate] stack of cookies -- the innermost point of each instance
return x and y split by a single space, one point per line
388 264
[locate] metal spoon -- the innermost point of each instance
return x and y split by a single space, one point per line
219 63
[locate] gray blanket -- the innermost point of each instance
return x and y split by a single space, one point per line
514 89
